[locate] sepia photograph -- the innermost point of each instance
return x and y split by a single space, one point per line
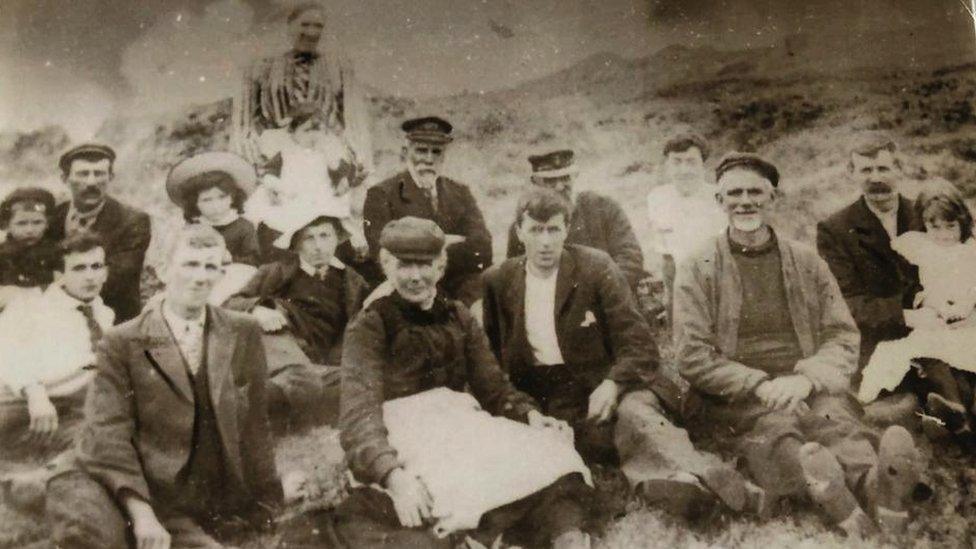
487 274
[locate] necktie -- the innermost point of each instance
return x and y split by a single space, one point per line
432 198
94 329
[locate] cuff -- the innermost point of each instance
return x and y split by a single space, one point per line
382 465
824 378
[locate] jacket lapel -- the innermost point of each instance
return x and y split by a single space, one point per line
220 341
802 323
870 231
164 355
415 199
565 280
515 297
109 218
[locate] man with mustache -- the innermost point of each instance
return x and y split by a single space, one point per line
597 220
125 231
877 283
763 333
421 191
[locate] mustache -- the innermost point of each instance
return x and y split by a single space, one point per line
878 186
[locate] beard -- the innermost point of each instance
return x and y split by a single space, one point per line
747 225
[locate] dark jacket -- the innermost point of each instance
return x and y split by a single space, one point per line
140 407
599 222
28 266
125 233
601 332
394 349
876 282
457 213
268 288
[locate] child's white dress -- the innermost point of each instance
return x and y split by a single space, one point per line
948 277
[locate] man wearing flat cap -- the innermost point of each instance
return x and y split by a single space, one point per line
762 332
125 231
421 191
411 341
597 220
306 299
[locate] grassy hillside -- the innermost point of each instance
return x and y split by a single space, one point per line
617 114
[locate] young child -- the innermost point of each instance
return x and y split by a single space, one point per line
936 360
308 163
28 258
211 188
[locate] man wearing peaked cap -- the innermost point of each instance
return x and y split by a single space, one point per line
87 170
597 221
303 303
421 191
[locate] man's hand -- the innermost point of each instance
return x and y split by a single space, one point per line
411 500
603 401
43 414
146 528
271 320
784 392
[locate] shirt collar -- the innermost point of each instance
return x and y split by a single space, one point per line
892 213
312 271
179 324
74 213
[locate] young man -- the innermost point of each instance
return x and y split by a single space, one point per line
87 170
597 220
176 447
566 328
682 212
412 341
308 302
421 191
43 387
762 331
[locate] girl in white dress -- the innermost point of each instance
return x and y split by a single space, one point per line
940 348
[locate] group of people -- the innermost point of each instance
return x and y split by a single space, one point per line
472 396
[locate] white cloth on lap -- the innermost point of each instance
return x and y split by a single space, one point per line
470 461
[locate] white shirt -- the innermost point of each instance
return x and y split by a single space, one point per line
188 335
682 224
889 219
540 318
45 339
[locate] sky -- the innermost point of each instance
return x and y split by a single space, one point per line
77 62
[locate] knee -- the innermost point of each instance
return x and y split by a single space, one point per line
641 407
82 515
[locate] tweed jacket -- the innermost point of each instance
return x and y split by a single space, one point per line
125 232
140 412
457 213
599 328
877 283
598 222
707 303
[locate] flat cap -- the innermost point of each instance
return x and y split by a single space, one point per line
553 164
429 129
748 161
85 149
413 238
240 171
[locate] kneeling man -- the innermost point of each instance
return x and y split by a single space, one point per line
414 341
176 442
762 331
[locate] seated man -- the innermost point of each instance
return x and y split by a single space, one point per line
42 391
409 342
762 331
176 443
306 300
565 326
598 220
